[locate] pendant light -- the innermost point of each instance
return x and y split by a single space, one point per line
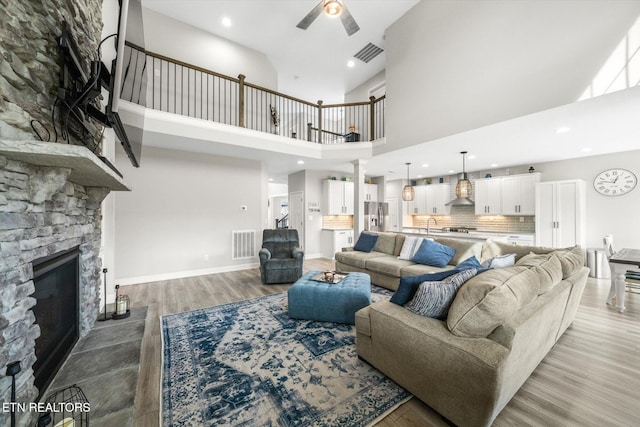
407 191
463 188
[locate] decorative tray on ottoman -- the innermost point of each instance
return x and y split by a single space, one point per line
332 277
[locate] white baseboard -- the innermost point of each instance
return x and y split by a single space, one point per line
182 274
312 256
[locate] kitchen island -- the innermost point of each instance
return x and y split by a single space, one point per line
473 235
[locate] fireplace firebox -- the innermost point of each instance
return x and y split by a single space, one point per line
56 279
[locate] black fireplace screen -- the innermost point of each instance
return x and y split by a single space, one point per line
56 281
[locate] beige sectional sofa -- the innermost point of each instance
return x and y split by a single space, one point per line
500 325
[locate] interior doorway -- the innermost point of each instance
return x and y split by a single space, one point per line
296 214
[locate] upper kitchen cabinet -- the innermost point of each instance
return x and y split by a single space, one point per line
437 196
371 192
560 213
337 197
418 206
519 194
488 194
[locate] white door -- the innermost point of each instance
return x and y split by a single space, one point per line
567 233
393 223
545 214
296 214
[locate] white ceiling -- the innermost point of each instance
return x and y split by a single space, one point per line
318 58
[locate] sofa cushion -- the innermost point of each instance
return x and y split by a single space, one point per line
547 267
386 243
410 246
571 258
388 265
409 285
434 253
356 258
366 242
490 298
432 299
464 249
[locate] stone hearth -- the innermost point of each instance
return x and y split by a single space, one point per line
45 208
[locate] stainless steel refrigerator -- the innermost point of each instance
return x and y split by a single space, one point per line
376 215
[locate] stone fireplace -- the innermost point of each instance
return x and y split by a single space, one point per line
50 196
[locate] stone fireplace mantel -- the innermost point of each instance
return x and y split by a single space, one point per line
86 168
50 202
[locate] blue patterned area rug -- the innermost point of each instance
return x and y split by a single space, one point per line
248 364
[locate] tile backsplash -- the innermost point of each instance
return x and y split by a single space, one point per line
337 222
464 216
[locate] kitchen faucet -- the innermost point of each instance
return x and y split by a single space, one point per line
434 220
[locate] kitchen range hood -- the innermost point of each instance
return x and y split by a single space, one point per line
463 189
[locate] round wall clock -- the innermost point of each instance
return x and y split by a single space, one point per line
615 182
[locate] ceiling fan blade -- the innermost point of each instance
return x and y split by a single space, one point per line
311 16
349 23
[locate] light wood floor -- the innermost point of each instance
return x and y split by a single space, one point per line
590 378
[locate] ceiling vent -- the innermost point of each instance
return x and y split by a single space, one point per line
368 52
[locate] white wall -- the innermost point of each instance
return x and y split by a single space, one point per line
361 93
180 41
454 66
184 206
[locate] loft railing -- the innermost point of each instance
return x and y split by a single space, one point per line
181 88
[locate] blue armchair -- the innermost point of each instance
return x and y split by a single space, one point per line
280 257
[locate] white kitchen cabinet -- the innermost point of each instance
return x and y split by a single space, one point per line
560 213
371 192
488 193
334 240
418 206
337 197
519 194
437 196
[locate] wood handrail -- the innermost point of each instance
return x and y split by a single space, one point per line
246 84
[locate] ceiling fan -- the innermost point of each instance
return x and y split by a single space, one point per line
331 8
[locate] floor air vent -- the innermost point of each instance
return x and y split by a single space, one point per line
368 52
243 244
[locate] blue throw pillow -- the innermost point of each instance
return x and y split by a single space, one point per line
366 242
434 254
471 262
409 285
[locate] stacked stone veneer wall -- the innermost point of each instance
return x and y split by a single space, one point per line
41 213
30 61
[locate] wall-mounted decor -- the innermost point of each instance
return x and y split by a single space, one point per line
615 182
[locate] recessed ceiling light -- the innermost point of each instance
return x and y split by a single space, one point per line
270 179
425 165
301 162
419 176
226 21
351 63
563 129
586 149
452 171
493 165
471 157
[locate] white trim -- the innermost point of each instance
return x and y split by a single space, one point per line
182 274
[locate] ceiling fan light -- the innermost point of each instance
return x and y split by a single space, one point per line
332 7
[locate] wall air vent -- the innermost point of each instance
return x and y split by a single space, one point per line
368 52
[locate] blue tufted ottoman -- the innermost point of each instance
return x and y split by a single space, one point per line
338 303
